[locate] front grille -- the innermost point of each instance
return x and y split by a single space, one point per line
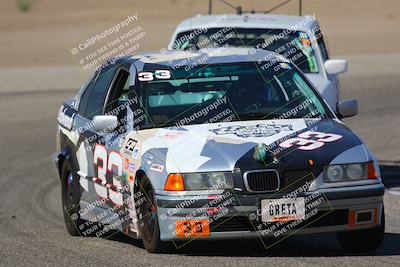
261 181
232 224
242 223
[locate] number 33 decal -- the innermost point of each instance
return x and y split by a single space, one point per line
310 140
158 74
112 165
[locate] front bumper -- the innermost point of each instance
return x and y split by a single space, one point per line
238 215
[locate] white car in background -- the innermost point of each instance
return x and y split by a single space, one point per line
299 38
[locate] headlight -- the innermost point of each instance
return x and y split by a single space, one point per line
198 181
349 172
194 180
204 181
334 173
355 171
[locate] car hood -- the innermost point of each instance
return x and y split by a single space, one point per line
232 145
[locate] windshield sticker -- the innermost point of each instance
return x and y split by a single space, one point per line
305 40
259 130
145 76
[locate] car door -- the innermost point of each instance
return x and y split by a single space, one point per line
94 150
108 162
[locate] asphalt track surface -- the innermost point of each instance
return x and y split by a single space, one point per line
31 224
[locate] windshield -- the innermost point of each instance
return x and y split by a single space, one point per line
294 45
224 92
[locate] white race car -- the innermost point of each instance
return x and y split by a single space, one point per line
213 144
299 39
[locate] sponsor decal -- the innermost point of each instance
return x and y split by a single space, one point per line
173 134
131 166
135 152
129 146
157 167
148 158
259 130
126 163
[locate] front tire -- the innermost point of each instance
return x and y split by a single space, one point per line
149 225
363 240
70 197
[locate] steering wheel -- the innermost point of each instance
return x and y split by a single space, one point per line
253 107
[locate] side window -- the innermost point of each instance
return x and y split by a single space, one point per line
321 43
94 96
183 41
119 92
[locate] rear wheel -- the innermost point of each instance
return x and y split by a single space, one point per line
149 224
363 240
70 196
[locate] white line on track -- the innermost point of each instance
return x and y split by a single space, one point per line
394 191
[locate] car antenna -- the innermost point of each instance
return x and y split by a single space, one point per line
239 10
284 3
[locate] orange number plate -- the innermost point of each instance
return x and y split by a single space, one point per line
186 228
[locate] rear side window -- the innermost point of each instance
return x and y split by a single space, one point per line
92 100
319 35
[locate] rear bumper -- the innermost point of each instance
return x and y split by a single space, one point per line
240 218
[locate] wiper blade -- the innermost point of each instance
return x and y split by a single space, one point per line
259 115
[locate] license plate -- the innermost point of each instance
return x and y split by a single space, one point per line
280 209
187 228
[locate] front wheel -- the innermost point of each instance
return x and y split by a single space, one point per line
149 224
363 240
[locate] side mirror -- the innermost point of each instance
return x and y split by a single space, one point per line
335 66
347 108
106 123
